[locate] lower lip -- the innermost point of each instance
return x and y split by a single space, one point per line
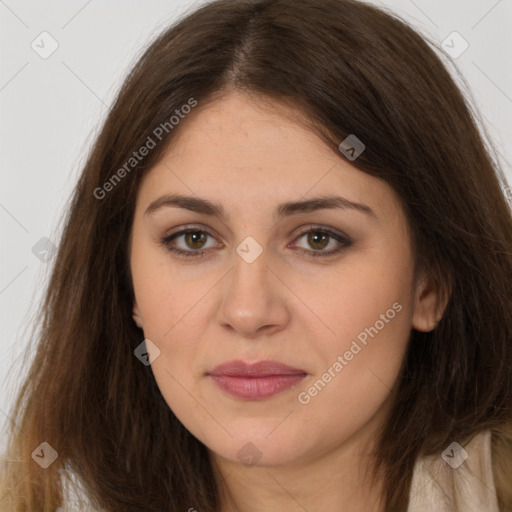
256 388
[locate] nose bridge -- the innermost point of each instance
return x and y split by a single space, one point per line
250 261
251 298
249 284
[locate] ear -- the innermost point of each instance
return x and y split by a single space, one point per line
136 315
430 301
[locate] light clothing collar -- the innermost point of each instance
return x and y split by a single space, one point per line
458 480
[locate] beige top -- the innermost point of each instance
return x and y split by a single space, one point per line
458 480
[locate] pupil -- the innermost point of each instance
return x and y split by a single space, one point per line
195 236
315 239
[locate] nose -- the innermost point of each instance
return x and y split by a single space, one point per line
254 299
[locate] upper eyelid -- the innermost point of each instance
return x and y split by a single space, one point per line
332 232
192 228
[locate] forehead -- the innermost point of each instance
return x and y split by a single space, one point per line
247 130
237 150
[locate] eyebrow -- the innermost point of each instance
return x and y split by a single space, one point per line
287 209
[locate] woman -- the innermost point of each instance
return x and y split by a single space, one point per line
283 284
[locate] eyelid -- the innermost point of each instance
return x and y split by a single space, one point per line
341 238
325 229
206 229
183 230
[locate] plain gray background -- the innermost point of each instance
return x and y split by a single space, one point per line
52 107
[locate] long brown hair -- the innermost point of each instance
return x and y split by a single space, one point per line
351 68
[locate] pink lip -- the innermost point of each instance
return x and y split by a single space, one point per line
255 381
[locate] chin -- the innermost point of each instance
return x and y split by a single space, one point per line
258 448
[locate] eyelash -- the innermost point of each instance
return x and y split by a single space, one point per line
344 240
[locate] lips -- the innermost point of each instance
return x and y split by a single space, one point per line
260 369
255 381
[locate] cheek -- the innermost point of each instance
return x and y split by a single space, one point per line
369 298
165 294
368 314
171 321
172 303
358 369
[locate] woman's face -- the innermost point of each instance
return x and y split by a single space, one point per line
341 319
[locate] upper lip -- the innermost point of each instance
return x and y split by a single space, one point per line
259 369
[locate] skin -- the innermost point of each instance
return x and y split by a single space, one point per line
283 306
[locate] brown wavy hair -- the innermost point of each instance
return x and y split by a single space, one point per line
351 68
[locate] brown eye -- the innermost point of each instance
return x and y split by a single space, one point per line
193 242
194 239
318 239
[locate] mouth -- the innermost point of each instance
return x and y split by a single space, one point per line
255 381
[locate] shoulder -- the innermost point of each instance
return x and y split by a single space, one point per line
502 464
460 479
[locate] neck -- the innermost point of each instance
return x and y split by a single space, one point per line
338 479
